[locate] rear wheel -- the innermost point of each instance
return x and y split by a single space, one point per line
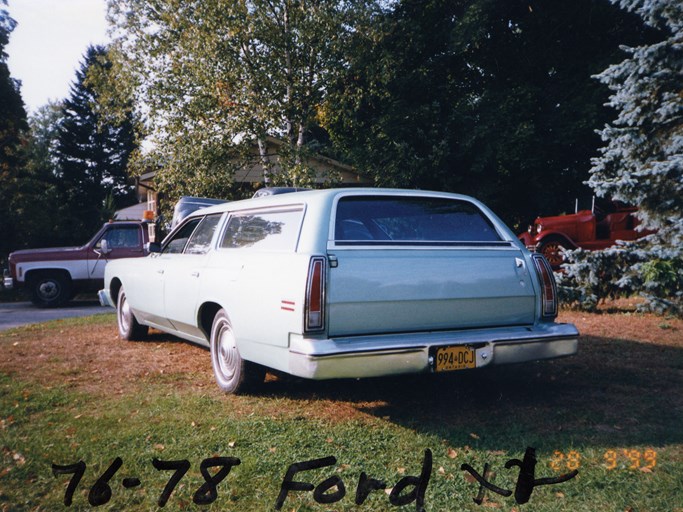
553 249
233 374
129 328
50 290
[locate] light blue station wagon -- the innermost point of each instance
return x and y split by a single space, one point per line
344 283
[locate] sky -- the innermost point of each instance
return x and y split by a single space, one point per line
47 46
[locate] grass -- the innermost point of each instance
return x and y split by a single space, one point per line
609 411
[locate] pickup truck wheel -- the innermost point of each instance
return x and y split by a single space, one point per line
552 250
50 290
129 328
233 374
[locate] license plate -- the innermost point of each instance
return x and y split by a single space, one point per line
454 358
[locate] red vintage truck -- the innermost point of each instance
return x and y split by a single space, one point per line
55 275
594 229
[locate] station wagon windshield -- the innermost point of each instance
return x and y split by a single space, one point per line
411 220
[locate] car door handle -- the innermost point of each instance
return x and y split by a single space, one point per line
195 274
160 271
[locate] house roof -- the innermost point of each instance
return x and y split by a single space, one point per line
321 164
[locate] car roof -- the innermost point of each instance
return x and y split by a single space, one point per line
321 195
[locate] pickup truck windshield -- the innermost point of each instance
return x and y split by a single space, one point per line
412 220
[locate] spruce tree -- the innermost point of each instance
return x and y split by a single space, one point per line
642 160
92 154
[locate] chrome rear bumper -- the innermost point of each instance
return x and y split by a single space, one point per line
393 354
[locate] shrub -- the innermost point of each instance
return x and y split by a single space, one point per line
626 269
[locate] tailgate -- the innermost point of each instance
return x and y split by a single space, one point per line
374 291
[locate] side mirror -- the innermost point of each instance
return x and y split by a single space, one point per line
151 247
104 246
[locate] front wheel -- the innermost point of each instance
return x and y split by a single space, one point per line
50 290
129 328
553 250
233 374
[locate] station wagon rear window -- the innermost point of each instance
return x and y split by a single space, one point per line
272 230
378 220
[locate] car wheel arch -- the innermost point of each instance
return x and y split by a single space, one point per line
557 237
36 273
114 289
205 316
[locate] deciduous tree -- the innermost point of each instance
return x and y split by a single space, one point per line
36 201
484 97
213 78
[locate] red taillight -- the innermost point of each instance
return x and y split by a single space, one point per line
315 295
548 286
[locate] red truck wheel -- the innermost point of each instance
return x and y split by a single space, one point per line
552 249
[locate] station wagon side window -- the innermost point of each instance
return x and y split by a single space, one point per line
200 241
271 230
408 220
178 242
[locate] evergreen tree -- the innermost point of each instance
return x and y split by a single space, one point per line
642 164
92 154
12 131
642 161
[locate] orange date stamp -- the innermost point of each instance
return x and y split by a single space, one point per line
615 459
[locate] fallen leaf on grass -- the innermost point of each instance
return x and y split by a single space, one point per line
470 479
452 454
473 435
159 447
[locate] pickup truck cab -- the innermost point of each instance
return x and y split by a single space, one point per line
55 275
344 283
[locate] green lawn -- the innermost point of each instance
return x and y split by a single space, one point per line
623 435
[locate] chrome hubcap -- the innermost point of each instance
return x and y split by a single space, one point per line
124 312
48 290
227 353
